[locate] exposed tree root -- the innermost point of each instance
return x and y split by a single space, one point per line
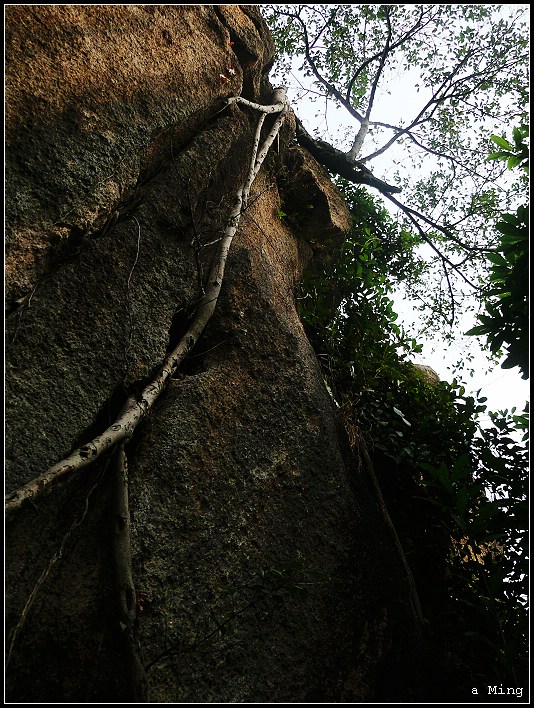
359 447
137 686
130 416
136 407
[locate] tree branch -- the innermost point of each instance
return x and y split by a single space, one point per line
338 162
443 229
364 127
330 87
407 35
447 90
330 19
433 103
412 214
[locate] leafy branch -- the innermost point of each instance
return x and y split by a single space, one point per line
506 299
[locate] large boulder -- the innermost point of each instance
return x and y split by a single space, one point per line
265 569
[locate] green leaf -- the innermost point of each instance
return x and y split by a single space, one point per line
477 331
502 142
496 258
514 161
497 156
401 415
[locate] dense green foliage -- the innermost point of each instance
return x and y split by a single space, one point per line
481 501
456 491
506 300
350 317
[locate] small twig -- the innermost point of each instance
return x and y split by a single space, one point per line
24 307
198 246
128 303
205 245
413 216
215 346
178 648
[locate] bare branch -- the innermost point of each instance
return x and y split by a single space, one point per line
330 87
364 127
402 40
446 156
329 21
447 90
438 227
413 216
378 74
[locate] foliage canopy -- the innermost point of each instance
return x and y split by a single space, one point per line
456 491
427 85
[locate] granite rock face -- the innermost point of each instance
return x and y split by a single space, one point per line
264 568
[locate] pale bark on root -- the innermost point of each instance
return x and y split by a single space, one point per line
136 407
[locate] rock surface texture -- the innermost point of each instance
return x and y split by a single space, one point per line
264 568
